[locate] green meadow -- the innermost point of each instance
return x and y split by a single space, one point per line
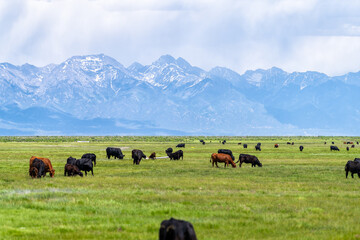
295 195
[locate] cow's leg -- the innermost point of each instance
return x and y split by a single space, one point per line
213 163
92 172
85 173
216 164
347 173
352 174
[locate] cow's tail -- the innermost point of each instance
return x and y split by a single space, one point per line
237 161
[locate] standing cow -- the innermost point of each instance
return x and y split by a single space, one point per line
301 148
174 229
137 155
176 155
92 156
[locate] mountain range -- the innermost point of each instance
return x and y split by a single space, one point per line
97 95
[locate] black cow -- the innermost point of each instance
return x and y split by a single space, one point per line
246 158
258 144
137 155
203 143
176 155
37 169
116 152
324 142
92 156
180 145
168 151
72 170
174 229
288 143
201 140
353 167
335 148
332 143
245 145
347 148
228 152
223 142
84 164
301 148
357 143
353 146
257 148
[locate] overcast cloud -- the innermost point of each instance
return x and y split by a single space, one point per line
321 35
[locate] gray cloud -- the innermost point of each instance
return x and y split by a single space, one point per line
247 34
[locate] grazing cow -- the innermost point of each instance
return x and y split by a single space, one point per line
347 148
168 151
239 143
335 148
288 143
324 142
152 156
48 166
201 140
301 148
137 155
116 152
246 158
223 142
292 143
353 167
257 148
332 142
174 229
228 152
245 145
176 155
357 143
353 146
72 170
180 145
203 143
345 143
84 164
92 156
222 157
276 145
351 143
37 169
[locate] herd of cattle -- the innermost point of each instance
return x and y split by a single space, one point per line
40 166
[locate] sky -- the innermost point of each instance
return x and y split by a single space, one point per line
307 35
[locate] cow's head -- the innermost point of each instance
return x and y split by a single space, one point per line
259 163
81 174
52 173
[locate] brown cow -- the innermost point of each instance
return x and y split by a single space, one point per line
221 157
72 170
152 156
276 145
48 166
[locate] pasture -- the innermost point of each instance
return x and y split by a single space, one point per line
295 195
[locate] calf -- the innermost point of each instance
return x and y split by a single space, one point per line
152 156
48 165
137 155
174 229
37 168
92 156
176 155
353 167
72 170
246 158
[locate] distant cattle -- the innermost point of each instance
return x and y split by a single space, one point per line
203 143
174 229
353 167
48 166
257 148
353 146
335 148
201 140
168 151
176 155
239 143
72 170
84 164
246 158
92 156
259 144
37 168
152 156
324 142
223 142
115 152
347 148
276 145
292 143
357 143
332 142
288 143
180 145
301 148
245 145
223 158
137 155
227 151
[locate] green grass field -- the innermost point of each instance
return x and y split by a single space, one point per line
295 195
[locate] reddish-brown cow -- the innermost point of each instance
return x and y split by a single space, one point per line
48 166
221 157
